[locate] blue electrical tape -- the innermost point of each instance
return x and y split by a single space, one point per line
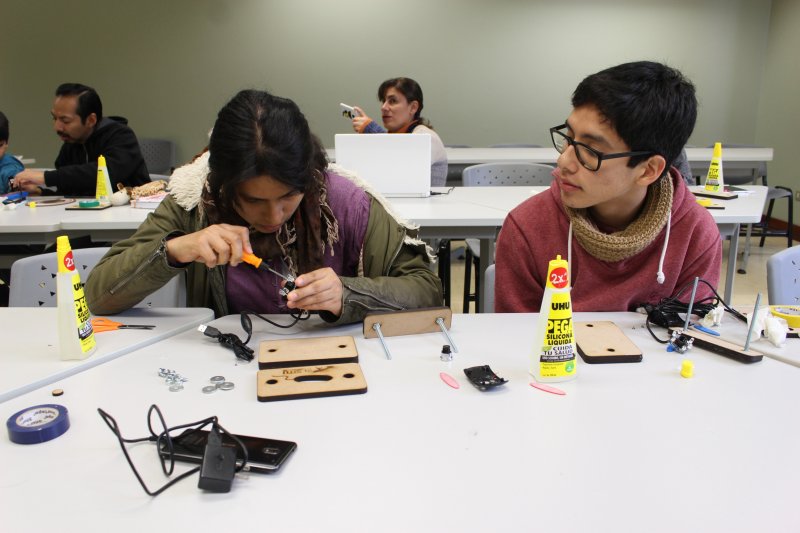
40 423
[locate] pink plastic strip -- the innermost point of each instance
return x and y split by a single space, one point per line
547 388
450 380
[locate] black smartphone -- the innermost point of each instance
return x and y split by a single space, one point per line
263 455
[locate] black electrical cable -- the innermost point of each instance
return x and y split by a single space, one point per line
166 437
240 349
667 312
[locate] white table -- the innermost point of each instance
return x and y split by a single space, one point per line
465 212
696 156
631 447
30 357
479 212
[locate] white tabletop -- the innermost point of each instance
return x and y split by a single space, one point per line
550 155
631 447
30 358
696 156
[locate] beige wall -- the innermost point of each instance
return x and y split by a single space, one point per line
492 71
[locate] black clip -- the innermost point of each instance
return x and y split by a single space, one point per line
483 377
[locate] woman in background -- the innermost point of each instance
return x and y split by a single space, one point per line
401 108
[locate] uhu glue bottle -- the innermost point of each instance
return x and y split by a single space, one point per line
554 352
103 191
75 335
714 180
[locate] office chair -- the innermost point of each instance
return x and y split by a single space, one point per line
496 174
33 281
783 277
159 155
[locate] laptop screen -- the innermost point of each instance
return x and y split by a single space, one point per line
394 164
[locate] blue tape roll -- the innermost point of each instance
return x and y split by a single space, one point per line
40 423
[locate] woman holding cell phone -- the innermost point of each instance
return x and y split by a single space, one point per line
401 108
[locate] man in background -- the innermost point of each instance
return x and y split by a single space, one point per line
78 121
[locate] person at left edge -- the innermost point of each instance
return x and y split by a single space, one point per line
264 187
79 122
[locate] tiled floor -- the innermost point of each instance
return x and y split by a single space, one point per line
745 286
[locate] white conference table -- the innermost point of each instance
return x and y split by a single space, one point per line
463 212
696 156
630 447
30 357
441 215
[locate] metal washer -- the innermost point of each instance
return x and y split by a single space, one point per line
208 389
176 387
217 379
228 385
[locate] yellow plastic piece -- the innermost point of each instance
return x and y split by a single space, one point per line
705 202
31 204
790 313
687 369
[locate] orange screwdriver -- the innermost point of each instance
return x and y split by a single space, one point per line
259 263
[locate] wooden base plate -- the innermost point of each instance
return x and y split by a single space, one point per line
721 346
701 191
302 352
411 322
315 381
603 342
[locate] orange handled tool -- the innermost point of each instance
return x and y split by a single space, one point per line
257 262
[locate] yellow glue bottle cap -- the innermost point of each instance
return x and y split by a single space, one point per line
687 369
717 150
101 161
64 254
557 273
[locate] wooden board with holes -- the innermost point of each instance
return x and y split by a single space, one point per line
302 352
313 381
721 346
604 342
411 322
700 190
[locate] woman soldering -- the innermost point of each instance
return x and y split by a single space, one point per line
264 187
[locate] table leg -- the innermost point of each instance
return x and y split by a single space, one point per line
733 252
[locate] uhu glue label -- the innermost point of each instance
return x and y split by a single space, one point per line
75 334
554 353
714 179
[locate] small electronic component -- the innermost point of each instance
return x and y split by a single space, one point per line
483 377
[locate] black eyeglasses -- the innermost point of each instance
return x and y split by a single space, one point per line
588 156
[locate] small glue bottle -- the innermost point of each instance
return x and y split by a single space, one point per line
554 353
714 179
103 191
75 334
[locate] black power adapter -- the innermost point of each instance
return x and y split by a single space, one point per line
219 464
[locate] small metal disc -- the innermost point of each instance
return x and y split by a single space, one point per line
208 389
176 387
217 379
228 385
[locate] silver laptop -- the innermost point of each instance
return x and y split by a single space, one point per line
394 164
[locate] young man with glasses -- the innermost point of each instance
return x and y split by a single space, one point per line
617 210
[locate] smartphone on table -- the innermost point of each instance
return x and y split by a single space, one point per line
263 455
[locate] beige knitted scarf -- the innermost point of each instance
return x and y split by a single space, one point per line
612 247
